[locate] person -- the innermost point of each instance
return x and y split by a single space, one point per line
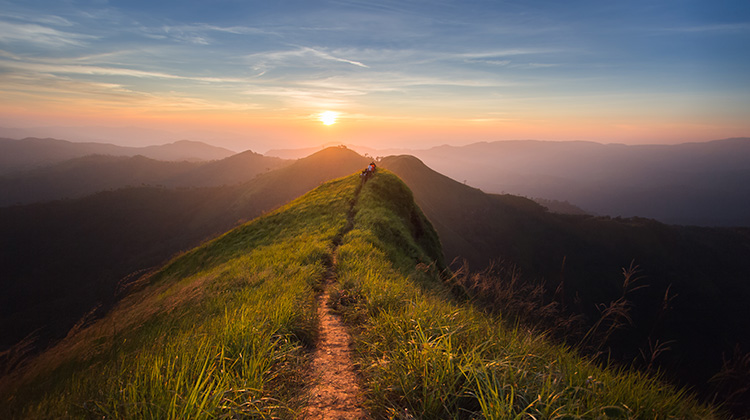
369 171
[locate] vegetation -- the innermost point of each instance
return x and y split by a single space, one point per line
223 331
685 315
219 331
427 355
63 258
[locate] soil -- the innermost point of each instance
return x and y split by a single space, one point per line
336 393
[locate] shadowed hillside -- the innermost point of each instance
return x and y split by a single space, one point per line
704 184
30 153
60 259
79 177
227 330
579 260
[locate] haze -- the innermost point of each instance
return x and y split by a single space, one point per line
257 75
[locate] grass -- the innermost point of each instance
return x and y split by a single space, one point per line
224 331
221 331
425 354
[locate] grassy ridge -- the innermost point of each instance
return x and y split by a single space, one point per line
427 355
220 331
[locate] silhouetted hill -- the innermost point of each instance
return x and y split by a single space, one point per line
234 169
692 183
60 258
86 175
579 260
562 207
89 174
30 153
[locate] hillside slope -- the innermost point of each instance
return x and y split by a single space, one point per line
86 175
226 329
60 259
695 279
30 153
704 184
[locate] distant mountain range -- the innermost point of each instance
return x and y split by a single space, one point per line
706 184
86 175
32 153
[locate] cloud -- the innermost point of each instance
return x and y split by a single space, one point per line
302 56
51 68
726 27
62 90
42 19
41 35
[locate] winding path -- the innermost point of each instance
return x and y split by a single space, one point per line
336 393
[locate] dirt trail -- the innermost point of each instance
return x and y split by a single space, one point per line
336 393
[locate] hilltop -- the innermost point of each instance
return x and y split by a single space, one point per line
227 329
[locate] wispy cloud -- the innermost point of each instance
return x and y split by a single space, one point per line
718 28
46 68
41 19
300 56
31 33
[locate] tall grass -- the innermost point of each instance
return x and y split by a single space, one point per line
221 331
427 355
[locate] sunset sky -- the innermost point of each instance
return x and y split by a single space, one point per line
259 74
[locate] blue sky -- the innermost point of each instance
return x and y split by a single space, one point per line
416 72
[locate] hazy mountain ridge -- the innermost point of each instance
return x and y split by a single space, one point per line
691 183
31 153
705 184
78 177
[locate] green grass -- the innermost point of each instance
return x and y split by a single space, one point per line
427 355
224 331
221 331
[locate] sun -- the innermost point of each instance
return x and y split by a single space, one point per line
328 117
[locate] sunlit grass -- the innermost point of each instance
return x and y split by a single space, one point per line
221 331
427 355
224 330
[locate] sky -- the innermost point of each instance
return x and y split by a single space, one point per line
259 74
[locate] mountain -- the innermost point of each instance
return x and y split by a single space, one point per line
60 259
228 329
235 169
362 150
579 261
691 184
65 257
30 153
86 175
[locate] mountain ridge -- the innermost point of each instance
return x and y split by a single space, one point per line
224 330
486 226
32 152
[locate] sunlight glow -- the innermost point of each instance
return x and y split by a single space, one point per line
328 117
